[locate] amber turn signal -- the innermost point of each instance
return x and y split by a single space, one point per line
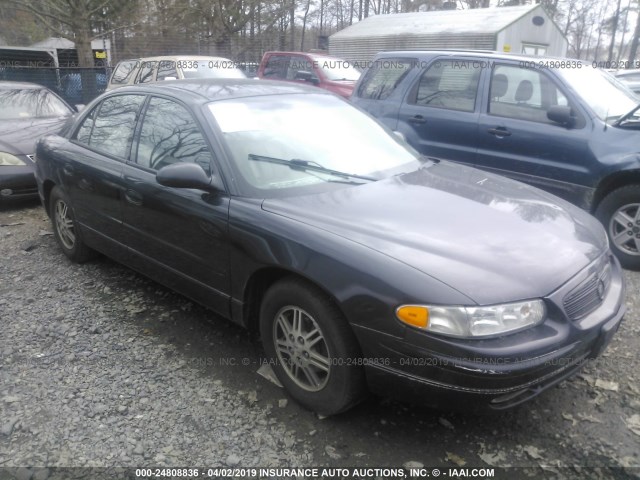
414 315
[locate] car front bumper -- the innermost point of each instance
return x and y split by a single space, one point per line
17 182
495 373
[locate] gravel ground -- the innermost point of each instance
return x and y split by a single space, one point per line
100 367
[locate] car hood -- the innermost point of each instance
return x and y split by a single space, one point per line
20 135
492 239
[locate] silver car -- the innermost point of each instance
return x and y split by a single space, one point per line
172 67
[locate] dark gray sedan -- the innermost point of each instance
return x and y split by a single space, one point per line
27 111
362 264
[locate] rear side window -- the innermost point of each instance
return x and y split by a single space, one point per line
123 72
450 84
276 67
383 77
109 127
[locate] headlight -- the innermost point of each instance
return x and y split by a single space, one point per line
10 160
473 322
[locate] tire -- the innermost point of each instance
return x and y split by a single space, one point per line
333 382
619 212
65 230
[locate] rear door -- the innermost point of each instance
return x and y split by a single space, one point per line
92 169
518 140
439 115
176 235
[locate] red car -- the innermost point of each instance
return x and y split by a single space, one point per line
331 73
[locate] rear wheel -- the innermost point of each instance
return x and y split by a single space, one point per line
65 229
619 212
311 346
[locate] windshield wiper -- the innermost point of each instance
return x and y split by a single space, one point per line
626 116
297 164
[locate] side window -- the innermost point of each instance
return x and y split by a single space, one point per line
166 69
146 72
383 77
277 67
123 72
170 135
450 84
523 94
84 132
299 64
114 124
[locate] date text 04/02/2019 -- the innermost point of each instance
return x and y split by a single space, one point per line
313 472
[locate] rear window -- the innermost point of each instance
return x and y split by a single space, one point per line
383 77
123 72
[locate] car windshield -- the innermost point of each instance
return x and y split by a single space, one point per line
18 103
301 141
337 69
215 68
604 94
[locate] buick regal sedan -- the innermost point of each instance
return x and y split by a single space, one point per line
363 265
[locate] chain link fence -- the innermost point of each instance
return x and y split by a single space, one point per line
75 85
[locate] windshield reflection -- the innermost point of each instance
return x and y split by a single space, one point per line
23 103
608 97
317 128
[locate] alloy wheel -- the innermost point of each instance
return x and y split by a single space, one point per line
64 225
624 228
301 348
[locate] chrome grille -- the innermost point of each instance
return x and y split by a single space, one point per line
588 296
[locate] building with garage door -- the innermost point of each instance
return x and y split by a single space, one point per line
526 29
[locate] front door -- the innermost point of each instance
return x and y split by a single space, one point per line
518 140
177 235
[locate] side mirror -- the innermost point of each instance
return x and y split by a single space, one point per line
562 114
184 175
306 76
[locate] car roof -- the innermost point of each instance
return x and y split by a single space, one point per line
173 58
307 54
469 53
10 85
207 90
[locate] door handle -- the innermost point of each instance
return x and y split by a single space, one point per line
133 197
418 119
499 132
67 169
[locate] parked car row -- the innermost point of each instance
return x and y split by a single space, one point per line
571 130
366 251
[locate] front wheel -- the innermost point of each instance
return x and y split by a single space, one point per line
619 212
311 346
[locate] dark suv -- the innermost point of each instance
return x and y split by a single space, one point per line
558 124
